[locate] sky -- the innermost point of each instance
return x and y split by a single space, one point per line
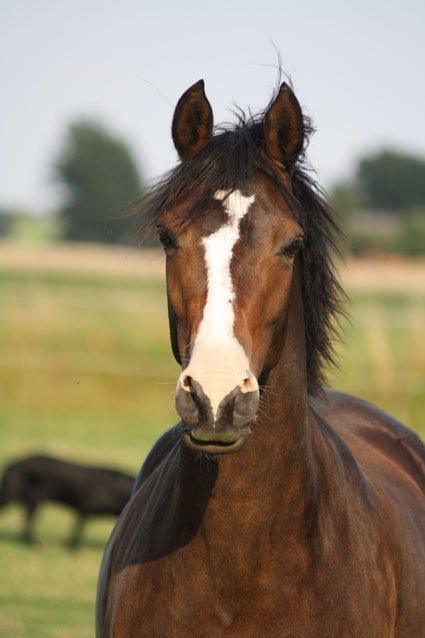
356 67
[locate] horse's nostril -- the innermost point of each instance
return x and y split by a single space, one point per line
246 402
187 403
193 389
187 383
249 384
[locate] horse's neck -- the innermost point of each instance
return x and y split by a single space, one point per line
274 472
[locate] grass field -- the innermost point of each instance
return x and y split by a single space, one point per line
86 373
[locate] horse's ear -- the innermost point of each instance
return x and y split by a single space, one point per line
284 128
193 121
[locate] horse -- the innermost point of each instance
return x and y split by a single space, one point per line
277 507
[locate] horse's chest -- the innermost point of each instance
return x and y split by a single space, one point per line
198 602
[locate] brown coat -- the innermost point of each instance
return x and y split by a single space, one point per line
315 528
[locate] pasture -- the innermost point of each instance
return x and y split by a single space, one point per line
86 373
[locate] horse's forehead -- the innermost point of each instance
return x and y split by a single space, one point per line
254 211
236 205
261 201
204 212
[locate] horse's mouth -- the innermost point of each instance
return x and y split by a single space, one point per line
212 446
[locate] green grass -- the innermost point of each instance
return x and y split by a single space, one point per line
382 357
86 373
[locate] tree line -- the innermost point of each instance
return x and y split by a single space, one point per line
98 177
382 204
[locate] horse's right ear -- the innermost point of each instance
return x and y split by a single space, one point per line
193 121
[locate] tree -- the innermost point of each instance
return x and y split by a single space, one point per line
6 222
392 180
412 237
345 199
100 177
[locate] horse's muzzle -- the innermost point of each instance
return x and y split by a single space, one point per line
218 433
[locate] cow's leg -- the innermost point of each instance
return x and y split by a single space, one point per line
28 530
75 537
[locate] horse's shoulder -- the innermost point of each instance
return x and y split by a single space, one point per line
356 419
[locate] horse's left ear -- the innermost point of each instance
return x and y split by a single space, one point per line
193 121
284 128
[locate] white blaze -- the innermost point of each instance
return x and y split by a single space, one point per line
218 361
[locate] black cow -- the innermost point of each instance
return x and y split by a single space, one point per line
88 490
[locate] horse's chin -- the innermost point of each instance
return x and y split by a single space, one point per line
212 446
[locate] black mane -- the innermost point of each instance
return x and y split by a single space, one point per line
229 162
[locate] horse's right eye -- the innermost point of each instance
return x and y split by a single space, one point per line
167 240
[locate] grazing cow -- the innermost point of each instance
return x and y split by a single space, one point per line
88 490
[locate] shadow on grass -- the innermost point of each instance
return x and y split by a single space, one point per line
45 540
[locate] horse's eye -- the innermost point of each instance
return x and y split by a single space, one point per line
291 249
166 238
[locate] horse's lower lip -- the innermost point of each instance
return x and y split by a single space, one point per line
212 446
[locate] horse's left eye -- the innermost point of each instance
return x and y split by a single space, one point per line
291 249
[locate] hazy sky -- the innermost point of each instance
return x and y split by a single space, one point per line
357 67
